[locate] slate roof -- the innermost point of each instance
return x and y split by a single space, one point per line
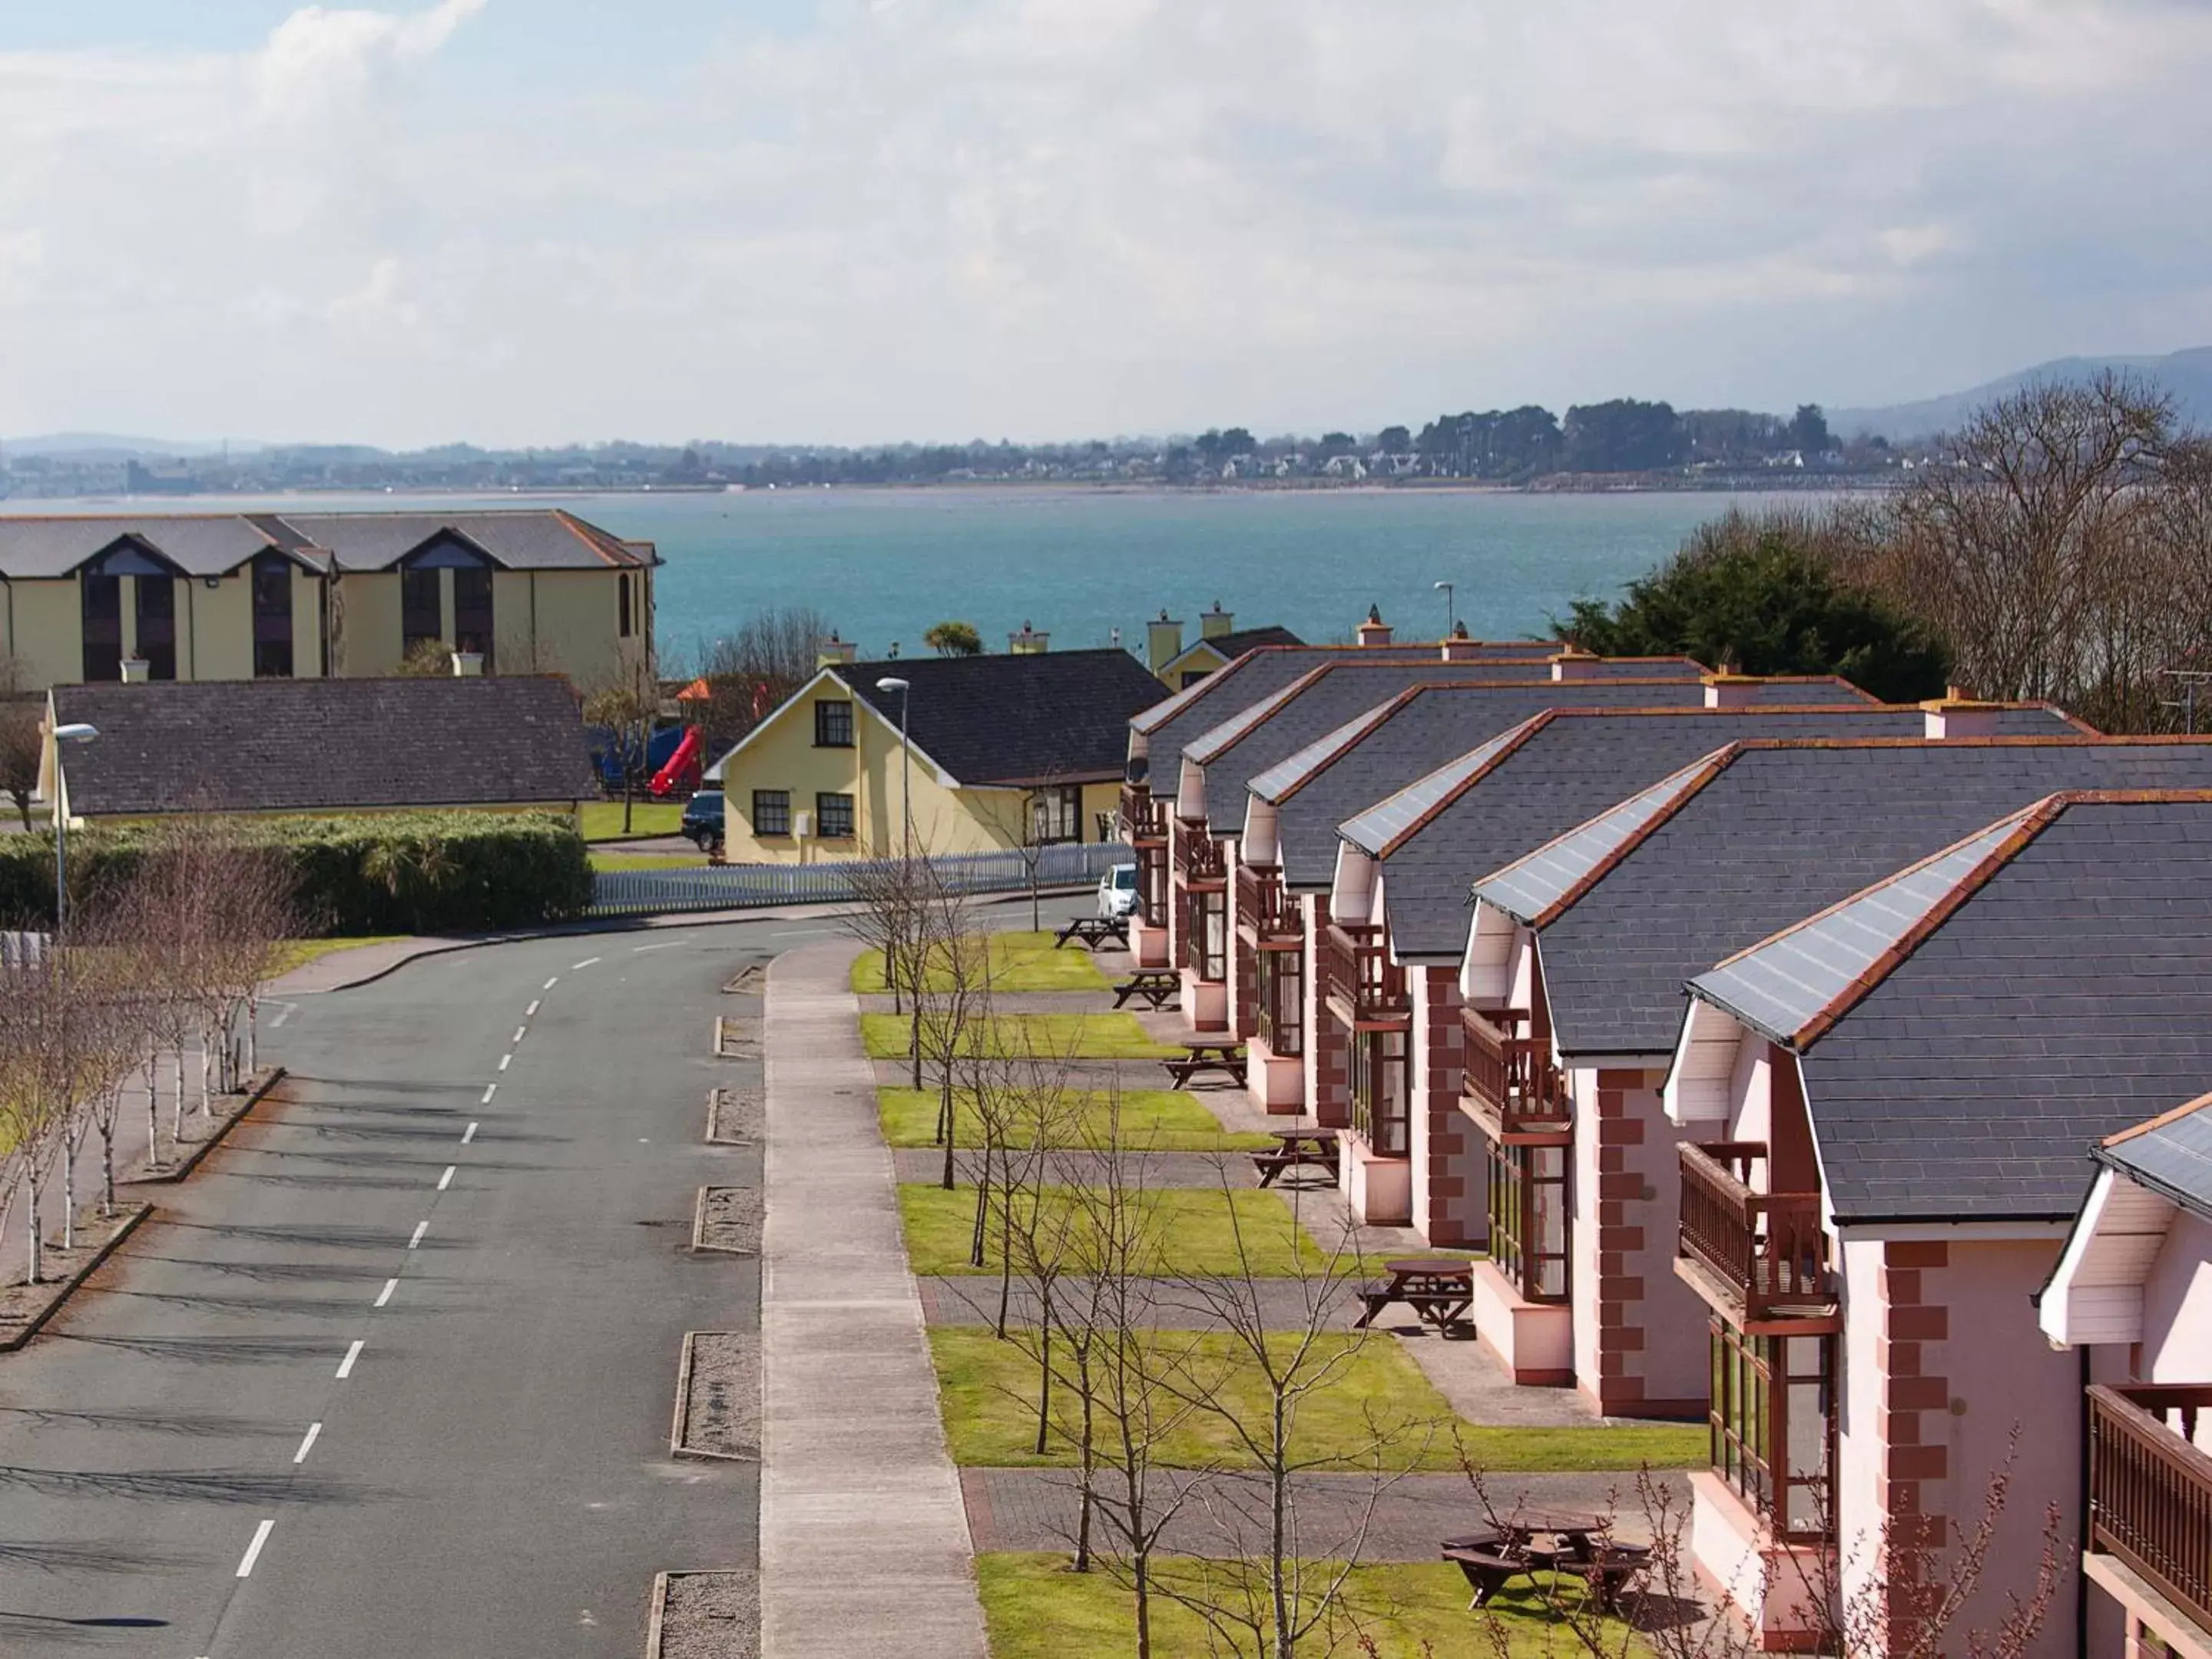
1051 716
2171 1155
324 745
1774 833
2060 992
1565 767
1198 708
214 544
1236 643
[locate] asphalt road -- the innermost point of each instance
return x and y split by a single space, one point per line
394 1374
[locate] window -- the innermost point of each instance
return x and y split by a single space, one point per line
771 812
472 617
833 723
1772 1420
272 619
1529 1219
833 814
1283 1001
1153 884
1209 933
102 600
420 608
1056 815
1381 1089
622 606
156 607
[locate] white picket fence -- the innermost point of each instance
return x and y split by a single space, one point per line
744 886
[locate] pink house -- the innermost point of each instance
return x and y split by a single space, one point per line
1887 1106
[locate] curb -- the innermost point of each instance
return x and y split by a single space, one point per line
254 1096
653 1624
680 1424
70 1285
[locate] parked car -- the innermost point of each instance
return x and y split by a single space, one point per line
1117 893
702 819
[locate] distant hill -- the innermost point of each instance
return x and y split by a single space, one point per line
2187 375
113 446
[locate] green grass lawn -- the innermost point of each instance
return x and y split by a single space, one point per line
1019 962
1192 1226
602 819
602 859
1076 1036
1036 1609
1152 1120
987 1391
301 951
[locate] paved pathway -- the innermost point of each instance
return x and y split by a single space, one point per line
864 1537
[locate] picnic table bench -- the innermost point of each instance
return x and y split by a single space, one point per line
1156 986
1298 1149
1224 1055
1094 932
1438 1289
1531 1543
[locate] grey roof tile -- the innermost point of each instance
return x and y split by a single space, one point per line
1050 716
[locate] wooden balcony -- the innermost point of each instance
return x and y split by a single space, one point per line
1361 982
2150 1489
1765 1253
1200 857
1264 911
1143 819
1508 1085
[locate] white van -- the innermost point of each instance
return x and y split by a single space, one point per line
1117 893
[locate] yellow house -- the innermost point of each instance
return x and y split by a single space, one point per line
1219 643
999 751
240 596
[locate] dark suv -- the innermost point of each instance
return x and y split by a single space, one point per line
702 819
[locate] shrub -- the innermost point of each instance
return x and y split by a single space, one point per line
401 873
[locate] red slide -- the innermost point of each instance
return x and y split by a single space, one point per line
683 769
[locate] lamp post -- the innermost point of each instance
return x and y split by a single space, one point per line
1451 613
892 683
74 732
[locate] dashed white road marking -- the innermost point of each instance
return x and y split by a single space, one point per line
577 968
802 933
521 1032
253 1550
308 1444
490 1089
420 1227
531 1012
469 1135
550 983
285 1011
345 1366
640 949
385 1294
447 1179
505 1060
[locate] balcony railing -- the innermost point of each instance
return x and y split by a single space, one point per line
1510 1083
1768 1250
1199 857
1360 979
1263 908
2150 1490
1143 819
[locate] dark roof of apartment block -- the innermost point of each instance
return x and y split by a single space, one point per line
1532 784
1042 717
1969 1027
57 545
1170 723
2171 1155
1237 642
324 745
1634 902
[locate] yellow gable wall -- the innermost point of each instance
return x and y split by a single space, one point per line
568 622
365 637
42 630
219 645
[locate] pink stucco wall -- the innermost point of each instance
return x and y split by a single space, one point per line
2178 1309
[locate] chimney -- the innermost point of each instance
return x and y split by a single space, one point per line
1731 690
1029 642
1163 642
1374 631
1459 647
833 653
1576 665
1213 624
137 670
468 664
1956 714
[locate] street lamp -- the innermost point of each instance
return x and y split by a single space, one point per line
78 731
892 683
1451 615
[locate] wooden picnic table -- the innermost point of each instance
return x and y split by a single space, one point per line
1299 1148
1438 1288
1094 932
1156 986
1223 1055
1532 1541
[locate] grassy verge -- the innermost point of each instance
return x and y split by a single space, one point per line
1152 1120
1196 1229
1018 962
1036 1609
301 951
602 819
986 1390
1074 1036
603 860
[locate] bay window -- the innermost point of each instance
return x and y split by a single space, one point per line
1282 999
1382 1090
1772 1420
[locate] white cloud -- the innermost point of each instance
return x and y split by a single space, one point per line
950 217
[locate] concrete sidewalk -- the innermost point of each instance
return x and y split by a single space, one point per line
865 1547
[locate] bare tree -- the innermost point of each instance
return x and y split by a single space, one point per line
626 707
886 917
952 1002
750 674
22 741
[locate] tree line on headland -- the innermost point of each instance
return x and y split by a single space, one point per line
2059 547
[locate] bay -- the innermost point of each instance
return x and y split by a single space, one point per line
883 565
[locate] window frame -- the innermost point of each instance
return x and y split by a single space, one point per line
1748 1422
1059 810
823 799
1386 1125
1281 997
825 721
412 615
764 800
466 635
271 579
1531 1238
100 627
1206 943
156 643
625 620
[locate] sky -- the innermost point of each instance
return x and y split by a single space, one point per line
539 221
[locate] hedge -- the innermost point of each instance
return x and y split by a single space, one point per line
400 873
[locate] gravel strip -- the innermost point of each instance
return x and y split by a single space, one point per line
723 1413
737 1117
741 1037
730 1219
711 1615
